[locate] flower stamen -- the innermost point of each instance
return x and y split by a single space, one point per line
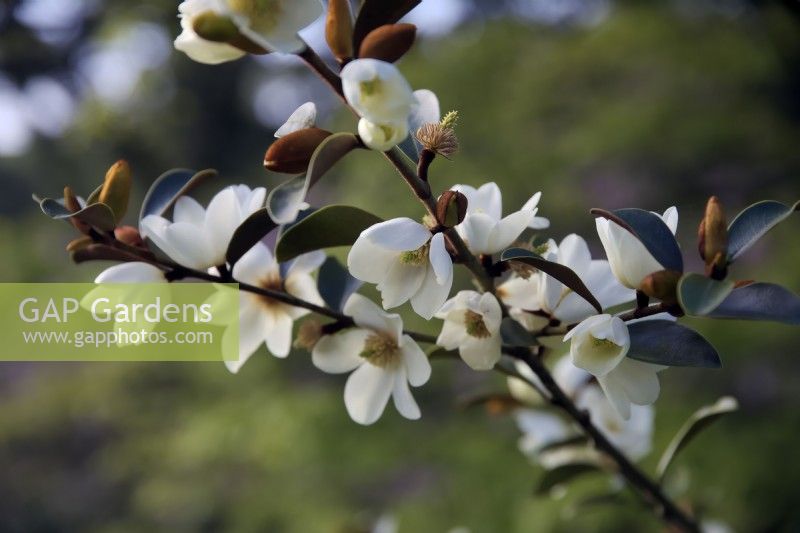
475 325
381 351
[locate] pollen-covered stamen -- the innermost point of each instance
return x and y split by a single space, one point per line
263 15
475 325
416 257
380 350
272 282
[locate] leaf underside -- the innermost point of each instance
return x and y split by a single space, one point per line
664 342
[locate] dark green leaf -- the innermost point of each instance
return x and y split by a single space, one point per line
753 222
664 342
701 419
656 236
558 271
169 186
96 215
514 334
335 284
249 232
376 13
287 199
699 295
564 474
760 301
333 225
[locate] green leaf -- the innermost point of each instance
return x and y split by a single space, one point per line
753 222
170 186
699 295
760 301
653 233
98 216
333 225
249 232
514 334
700 420
287 199
664 342
574 440
375 13
564 474
335 284
556 270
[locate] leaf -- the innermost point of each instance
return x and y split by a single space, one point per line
333 225
753 222
558 271
514 334
287 199
335 284
653 233
700 420
664 342
169 186
376 13
760 301
98 216
563 474
249 232
574 440
699 295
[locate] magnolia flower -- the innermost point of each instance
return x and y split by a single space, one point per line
634 435
263 319
198 238
569 377
599 345
406 262
301 118
382 136
271 24
133 272
540 292
484 229
472 324
630 261
384 360
377 91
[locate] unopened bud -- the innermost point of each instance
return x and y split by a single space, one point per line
451 209
388 42
214 27
662 285
291 153
72 204
80 242
308 334
339 29
116 189
713 239
129 235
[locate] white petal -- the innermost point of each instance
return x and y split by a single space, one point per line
615 393
440 260
402 281
307 263
403 400
416 363
368 315
574 253
223 216
398 234
366 393
251 336
476 230
481 354
278 333
255 265
487 199
202 51
670 218
426 110
339 352
184 246
507 230
532 202
187 209
368 261
639 380
302 117
302 286
585 326
431 294
521 293
453 332
135 272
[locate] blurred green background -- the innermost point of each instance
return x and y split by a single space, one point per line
594 102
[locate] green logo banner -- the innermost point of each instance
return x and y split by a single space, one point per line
119 322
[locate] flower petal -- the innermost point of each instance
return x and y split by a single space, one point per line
481 354
366 393
301 118
507 230
339 352
403 400
431 295
251 336
134 272
368 315
368 261
440 260
278 333
398 234
416 363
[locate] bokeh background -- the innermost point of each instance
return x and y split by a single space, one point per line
607 103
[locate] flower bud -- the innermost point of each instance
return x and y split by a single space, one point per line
713 238
661 285
451 209
384 136
116 190
71 203
129 235
79 243
215 27
291 153
388 42
339 29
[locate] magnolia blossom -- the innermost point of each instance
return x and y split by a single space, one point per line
273 25
377 91
630 261
301 118
263 320
484 229
633 435
384 360
406 262
382 136
569 377
599 345
198 238
472 324
133 272
540 292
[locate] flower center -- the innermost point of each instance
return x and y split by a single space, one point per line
370 88
263 15
272 282
380 350
415 257
604 347
475 325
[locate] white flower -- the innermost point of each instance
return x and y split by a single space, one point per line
271 24
569 377
630 261
541 292
472 324
377 91
406 262
198 238
382 136
385 361
634 436
263 319
301 118
599 345
484 229
133 272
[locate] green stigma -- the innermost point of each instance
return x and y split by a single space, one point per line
370 87
380 351
415 257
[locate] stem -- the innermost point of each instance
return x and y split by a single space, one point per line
648 311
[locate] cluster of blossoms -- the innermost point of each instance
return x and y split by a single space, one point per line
531 296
